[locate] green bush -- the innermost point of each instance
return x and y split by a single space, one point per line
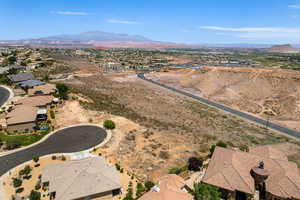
109 124
213 147
34 195
203 192
140 189
36 159
175 170
149 185
62 91
37 186
17 182
52 114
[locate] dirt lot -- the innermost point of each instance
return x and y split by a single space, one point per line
268 93
157 129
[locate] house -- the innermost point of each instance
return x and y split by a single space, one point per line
21 118
30 83
16 78
36 101
89 178
263 172
46 89
170 187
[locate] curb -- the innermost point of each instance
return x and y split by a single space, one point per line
47 136
108 137
11 95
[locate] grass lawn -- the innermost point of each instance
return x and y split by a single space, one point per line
23 140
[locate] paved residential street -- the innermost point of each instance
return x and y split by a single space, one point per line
73 139
252 118
4 95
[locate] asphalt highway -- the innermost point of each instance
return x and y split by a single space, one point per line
4 95
277 127
73 139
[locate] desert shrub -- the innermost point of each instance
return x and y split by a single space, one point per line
194 164
219 144
34 195
63 158
37 186
164 155
17 182
109 124
175 170
52 114
36 159
53 157
19 190
149 185
118 167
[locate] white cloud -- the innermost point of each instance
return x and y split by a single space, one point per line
70 13
294 6
252 29
115 21
279 33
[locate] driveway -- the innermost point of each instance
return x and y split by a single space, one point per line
67 140
4 95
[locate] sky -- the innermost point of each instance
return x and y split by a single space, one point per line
183 21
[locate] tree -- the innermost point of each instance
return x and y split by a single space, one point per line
63 91
140 189
109 124
149 185
206 192
34 195
12 59
26 171
195 164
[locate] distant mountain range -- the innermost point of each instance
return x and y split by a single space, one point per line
98 38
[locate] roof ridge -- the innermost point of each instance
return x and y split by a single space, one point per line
85 169
226 180
241 176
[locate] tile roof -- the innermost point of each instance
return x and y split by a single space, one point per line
21 114
169 188
42 89
35 101
21 77
81 178
230 169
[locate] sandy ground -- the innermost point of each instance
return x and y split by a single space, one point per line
267 93
29 184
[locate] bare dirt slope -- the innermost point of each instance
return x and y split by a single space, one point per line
268 93
164 129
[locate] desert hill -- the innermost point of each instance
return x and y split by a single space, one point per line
286 48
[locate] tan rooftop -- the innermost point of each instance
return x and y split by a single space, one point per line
81 178
46 89
21 114
230 169
169 188
36 101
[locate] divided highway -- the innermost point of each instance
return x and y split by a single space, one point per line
68 140
4 95
252 118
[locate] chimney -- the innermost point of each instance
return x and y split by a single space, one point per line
259 173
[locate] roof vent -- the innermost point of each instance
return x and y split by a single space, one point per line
156 188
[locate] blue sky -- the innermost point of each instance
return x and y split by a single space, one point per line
189 21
